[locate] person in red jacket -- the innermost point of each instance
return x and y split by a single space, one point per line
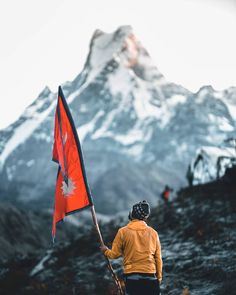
140 247
165 195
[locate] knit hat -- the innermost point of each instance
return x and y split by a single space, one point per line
140 210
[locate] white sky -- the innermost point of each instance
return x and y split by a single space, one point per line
45 42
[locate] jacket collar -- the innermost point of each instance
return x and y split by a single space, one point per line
137 224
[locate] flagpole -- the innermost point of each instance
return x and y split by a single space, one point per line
114 276
60 157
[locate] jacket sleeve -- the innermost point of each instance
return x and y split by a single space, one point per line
116 250
158 259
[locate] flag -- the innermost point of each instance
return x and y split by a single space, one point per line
72 191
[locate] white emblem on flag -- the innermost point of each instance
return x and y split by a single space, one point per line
68 190
64 139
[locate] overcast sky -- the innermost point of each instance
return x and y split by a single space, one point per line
45 42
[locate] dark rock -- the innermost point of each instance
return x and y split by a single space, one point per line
197 233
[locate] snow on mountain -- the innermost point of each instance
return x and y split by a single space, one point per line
138 131
211 162
89 127
229 98
34 115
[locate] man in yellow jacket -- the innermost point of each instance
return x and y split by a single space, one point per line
140 247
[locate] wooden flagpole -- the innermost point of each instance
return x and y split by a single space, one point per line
114 276
80 155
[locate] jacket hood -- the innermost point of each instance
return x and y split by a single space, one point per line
137 224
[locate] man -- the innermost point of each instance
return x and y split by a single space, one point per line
140 247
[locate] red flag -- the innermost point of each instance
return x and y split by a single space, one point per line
72 191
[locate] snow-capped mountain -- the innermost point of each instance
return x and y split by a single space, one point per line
138 131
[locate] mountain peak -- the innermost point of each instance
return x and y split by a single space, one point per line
120 32
123 46
206 89
45 92
104 46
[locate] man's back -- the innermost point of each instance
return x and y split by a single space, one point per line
140 247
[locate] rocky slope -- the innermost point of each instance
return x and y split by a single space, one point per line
131 121
197 232
28 232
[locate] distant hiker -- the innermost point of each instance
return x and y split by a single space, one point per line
189 176
140 247
165 195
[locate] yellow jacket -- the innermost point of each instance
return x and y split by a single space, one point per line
140 247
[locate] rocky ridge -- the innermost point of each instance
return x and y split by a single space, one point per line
197 233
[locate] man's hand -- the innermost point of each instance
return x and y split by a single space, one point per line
103 249
159 279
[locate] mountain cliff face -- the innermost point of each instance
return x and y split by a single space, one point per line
138 131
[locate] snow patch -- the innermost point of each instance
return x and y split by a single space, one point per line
88 127
129 138
232 110
222 122
10 172
40 266
92 75
176 99
42 136
231 107
23 132
120 82
150 71
83 108
225 126
135 135
30 163
136 150
143 107
215 152
103 130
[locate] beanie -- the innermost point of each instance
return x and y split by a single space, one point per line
140 210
